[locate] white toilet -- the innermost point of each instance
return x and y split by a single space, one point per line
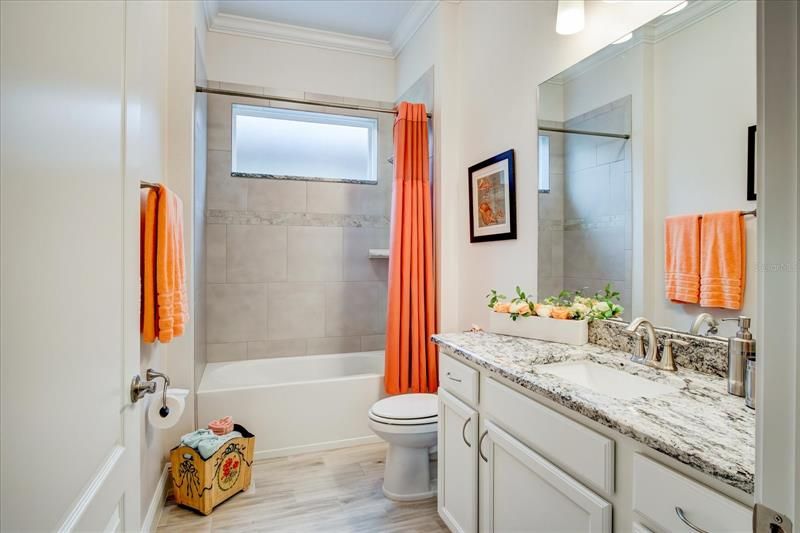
408 422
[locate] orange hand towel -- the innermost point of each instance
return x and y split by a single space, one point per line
147 267
682 258
170 267
723 260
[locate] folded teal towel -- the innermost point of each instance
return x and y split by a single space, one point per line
206 442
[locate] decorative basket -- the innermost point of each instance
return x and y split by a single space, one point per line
202 484
535 327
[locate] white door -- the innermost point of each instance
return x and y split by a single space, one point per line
522 491
458 464
778 377
69 247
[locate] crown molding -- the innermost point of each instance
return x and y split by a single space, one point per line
288 33
412 22
211 9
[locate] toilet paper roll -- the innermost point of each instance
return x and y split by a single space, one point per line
176 406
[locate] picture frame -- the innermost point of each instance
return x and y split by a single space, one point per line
492 199
751 164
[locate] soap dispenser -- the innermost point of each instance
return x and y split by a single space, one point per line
741 347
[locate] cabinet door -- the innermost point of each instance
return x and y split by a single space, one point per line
458 464
522 491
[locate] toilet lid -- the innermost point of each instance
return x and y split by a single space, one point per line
407 407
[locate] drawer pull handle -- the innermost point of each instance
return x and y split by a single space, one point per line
480 447
679 512
463 430
451 378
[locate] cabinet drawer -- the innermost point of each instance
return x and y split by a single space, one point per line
458 379
658 491
585 454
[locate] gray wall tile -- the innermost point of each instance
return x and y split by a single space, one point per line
373 342
256 253
350 309
315 253
276 348
347 198
326 345
215 253
269 261
276 195
296 310
236 312
229 351
357 264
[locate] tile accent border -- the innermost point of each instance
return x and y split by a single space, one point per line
221 216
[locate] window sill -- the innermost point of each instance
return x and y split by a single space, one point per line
301 178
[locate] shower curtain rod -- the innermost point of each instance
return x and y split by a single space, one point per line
585 132
226 92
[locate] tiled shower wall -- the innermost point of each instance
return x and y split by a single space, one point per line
598 202
585 221
551 220
288 271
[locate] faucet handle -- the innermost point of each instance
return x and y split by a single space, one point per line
638 353
667 360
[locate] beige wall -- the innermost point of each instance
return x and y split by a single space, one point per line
701 115
485 94
288 271
266 63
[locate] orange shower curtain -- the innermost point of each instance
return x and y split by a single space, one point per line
411 364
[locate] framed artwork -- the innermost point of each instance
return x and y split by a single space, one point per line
492 199
751 164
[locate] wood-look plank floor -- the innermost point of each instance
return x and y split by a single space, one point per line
333 491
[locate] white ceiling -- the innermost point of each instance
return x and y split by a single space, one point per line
374 19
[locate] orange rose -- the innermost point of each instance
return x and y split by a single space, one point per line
502 307
561 313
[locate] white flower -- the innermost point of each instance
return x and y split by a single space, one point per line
544 310
580 309
521 308
601 307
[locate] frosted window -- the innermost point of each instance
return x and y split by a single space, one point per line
544 163
302 144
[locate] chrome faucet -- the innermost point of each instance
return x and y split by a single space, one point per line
639 355
713 324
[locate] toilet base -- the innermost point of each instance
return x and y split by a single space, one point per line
431 493
407 475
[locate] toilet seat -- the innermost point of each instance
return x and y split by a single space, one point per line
406 410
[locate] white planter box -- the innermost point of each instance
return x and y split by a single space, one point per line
545 329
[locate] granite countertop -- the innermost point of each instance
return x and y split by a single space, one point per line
700 424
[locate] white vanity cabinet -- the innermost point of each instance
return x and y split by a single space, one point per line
458 464
522 491
515 488
508 462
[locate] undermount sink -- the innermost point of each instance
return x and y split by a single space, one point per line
608 381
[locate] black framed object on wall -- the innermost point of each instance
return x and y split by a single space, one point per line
492 199
751 164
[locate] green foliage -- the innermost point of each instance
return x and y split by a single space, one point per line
495 297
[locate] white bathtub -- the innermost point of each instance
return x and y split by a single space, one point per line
296 404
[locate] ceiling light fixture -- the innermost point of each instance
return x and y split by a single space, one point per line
677 8
624 39
569 19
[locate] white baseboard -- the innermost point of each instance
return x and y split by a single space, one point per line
150 522
317 447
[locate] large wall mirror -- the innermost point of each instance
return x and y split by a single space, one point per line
654 125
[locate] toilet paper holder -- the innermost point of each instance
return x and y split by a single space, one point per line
139 387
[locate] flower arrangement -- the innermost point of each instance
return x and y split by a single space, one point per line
566 306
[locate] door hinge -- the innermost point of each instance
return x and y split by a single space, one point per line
765 520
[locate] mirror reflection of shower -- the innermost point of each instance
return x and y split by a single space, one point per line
585 203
